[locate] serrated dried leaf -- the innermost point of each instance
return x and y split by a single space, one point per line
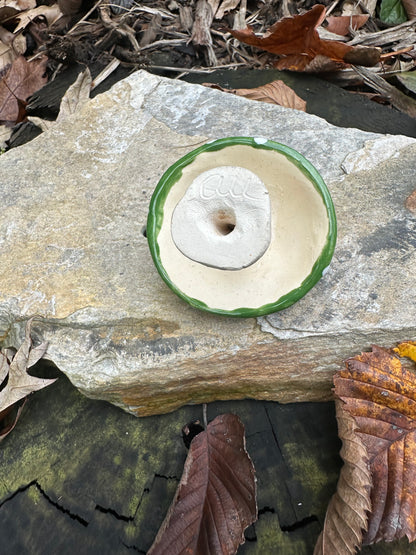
381 396
21 80
216 497
297 38
76 96
20 384
346 516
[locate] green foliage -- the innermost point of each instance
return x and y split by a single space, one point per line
392 12
408 79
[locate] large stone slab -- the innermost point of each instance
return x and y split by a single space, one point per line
74 203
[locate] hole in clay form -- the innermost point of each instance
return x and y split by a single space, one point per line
224 221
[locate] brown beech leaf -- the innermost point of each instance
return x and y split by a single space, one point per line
216 497
346 516
297 38
21 80
380 394
17 383
341 24
276 92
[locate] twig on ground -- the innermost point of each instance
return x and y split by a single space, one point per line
398 99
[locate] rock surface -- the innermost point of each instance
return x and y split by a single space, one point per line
75 202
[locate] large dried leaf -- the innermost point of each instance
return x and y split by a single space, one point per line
346 516
276 92
216 497
380 394
20 384
22 79
297 39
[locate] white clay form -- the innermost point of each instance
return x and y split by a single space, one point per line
224 219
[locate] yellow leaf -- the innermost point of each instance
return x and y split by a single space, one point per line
406 349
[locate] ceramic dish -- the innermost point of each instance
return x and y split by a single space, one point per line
302 230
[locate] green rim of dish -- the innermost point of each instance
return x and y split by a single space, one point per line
172 176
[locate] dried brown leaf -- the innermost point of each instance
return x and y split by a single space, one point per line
410 202
380 394
76 96
346 516
216 497
16 383
69 7
11 46
22 79
342 24
276 92
297 38
18 4
9 418
226 6
20 384
410 7
50 13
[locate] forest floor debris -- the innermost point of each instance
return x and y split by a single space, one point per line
39 40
